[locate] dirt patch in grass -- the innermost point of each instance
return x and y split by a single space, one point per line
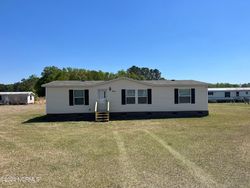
128 172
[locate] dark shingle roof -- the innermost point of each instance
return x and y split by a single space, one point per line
173 82
146 82
71 83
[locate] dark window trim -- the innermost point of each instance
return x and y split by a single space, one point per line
123 95
176 96
192 95
237 93
72 97
149 96
86 97
210 93
227 94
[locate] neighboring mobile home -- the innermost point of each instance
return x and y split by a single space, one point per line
17 98
126 98
228 94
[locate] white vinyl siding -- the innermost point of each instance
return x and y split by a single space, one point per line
58 99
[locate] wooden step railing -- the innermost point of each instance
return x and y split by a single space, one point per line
102 116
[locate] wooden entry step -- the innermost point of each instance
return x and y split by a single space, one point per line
102 116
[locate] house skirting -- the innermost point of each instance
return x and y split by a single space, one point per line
157 115
128 115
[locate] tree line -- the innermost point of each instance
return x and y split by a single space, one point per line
228 85
52 73
33 83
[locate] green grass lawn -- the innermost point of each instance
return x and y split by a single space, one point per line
213 151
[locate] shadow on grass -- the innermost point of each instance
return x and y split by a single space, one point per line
116 116
61 118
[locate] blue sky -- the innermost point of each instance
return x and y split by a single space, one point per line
195 39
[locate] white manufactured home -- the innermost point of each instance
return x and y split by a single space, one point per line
127 98
228 94
17 98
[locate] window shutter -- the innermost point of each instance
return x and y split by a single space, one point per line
176 96
193 96
123 96
149 96
86 97
71 98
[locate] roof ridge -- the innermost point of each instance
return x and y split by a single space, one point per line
61 83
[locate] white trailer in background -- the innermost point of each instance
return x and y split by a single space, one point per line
229 94
17 98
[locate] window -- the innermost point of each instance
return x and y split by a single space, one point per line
210 93
227 94
246 93
0 97
184 95
130 96
142 96
31 97
78 97
237 93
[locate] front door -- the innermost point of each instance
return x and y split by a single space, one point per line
102 94
102 99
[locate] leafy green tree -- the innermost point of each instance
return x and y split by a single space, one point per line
52 73
223 85
245 85
49 74
28 84
2 87
144 73
121 73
